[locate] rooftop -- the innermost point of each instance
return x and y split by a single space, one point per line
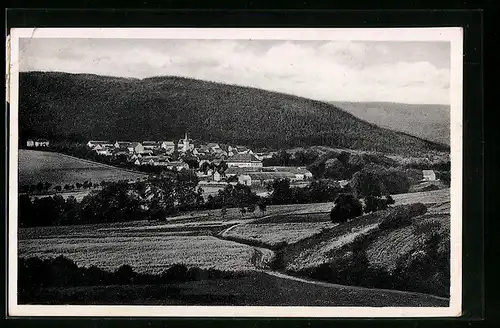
243 158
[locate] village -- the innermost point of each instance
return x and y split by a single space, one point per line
214 163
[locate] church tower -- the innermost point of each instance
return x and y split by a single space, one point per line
186 143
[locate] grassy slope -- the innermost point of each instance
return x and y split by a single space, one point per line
257 289
59 169
431 122
98 107
386 246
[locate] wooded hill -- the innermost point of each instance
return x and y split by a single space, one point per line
85 106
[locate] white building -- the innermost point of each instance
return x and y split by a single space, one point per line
244 160
429 175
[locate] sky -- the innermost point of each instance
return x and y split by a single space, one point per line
392 71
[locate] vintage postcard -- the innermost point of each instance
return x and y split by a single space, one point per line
235 172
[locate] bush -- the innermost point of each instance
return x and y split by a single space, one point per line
426 270
390 200
125 275
346 207
373 204
402 215
176 273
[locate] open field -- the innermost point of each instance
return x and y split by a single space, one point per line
59 169
255 289
151 254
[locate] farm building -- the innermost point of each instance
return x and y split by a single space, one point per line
217 176
41 143
429 175
244 160
30 143
301 173
94 143
235 171
261 178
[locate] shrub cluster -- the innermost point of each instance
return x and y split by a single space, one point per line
425 269
34 273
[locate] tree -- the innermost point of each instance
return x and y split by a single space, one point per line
243 211
346 207
40 186
262 207
344 158
223 212
282 193
78 185
373 204
390 200
47 186
367 183
67 187
334 169
204 167
251 208
58 188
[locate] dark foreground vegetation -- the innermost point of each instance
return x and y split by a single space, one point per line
35 274
58 281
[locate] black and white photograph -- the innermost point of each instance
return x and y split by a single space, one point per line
240 172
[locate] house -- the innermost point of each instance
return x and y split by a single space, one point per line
30 143
244 160
106 151
263 156
245 179
122 144
214 147
93 143
169 146
241 150
301 173
120 151
41 143
429 175
263 178
343 183
151 145
234 171
217 176
137 148
179 166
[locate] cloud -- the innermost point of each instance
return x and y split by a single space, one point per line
329 71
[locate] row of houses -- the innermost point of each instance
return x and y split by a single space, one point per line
37 143
183 146
160 152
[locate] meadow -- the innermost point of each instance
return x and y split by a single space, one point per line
59 169
146 254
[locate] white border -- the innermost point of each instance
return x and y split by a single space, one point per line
453 35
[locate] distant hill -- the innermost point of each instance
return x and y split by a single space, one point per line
431 122
85 106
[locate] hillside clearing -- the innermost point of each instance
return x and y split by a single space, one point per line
59 169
